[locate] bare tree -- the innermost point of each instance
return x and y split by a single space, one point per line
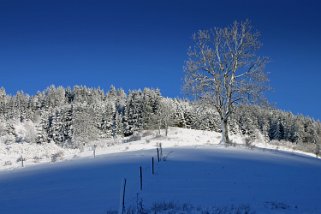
165 113
224 70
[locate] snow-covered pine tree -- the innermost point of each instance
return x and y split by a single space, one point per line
183 116
134 112
108 112
119 117
3 102
276 129
150 108
53 116
84 128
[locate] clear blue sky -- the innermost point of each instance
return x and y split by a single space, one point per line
137 44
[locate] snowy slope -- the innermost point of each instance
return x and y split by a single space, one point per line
196 171
35 154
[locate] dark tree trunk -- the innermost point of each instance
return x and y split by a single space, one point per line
225 138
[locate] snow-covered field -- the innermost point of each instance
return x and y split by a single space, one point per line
34 154
197 171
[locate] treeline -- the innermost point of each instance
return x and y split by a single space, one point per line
71 117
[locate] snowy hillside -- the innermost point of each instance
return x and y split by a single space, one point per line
10 155
35 154
197 175
70 117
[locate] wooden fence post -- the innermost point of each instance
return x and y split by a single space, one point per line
141 178
161 150
21 161
122 197
157 155
153 167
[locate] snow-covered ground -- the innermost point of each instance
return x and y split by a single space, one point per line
197 171
34 154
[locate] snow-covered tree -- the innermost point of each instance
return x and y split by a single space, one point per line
223 69
150 107
164 115
71 117
133 114
84 128
107 117
3 101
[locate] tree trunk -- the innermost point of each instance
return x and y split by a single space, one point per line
166 129
159 127
225 138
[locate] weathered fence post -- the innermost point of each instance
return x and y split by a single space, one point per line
122 197
153 169
157 155
141 178
161 150
21 161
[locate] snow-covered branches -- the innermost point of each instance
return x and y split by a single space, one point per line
79 115
224 69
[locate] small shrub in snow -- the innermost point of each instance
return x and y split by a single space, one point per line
241 209
147 133
36 159
117 140
57 156
159 137
249 142
7 163
139 206
172 208
45 156
81 146
310 148
163 206
134 138
21 159
275 205
19 139
7 139
187 207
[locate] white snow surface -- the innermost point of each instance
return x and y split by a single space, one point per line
197 171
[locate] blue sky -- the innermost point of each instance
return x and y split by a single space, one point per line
137 44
